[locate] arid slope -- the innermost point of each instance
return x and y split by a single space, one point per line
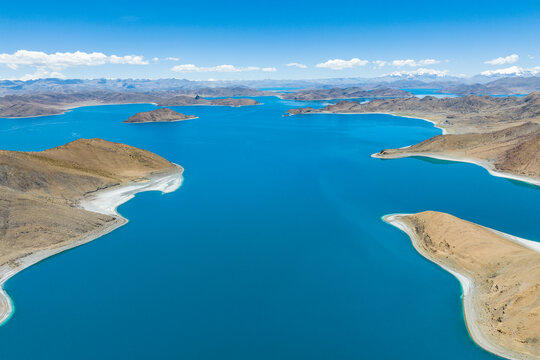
158 115
343 93
455 115
40 191
515 150
502 307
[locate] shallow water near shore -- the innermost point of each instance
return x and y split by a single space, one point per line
273 248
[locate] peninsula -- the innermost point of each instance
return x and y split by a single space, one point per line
54 200
499 274
501 134
513 152
454 115
158 115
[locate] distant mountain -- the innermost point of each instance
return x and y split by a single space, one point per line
460 114
344 93
28 104
180 86
503 86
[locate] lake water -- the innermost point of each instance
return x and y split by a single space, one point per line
273 248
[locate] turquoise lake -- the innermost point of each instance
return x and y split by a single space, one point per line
273 248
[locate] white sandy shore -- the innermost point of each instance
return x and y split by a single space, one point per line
435 124
105 202
468 288
483 163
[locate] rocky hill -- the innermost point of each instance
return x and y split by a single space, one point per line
456 115
158 115
503 272
344 93
186 100
515 150
40 193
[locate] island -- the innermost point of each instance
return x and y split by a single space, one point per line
57 199
502 134
158 115
345 93
499 275
186 100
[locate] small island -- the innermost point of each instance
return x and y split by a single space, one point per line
158 115
499 275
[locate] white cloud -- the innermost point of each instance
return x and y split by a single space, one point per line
58 61
172 58
421 71
428 62
380 63
298 65
512 70
128 59
414 63
186 68
42 73
269 69
530 56
339 64
156 59
510 59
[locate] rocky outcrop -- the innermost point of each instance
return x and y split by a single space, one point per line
158 115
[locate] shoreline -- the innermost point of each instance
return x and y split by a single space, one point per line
159 122
71 107
74 106
433 122
482 163
468 288
104 201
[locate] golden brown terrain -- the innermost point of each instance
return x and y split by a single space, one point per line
158 115
456 115
501 134
515 150
502 305
40 193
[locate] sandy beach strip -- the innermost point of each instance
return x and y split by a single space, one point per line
485 164
435 124
104 201
468 288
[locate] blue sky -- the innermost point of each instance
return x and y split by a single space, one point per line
256 40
